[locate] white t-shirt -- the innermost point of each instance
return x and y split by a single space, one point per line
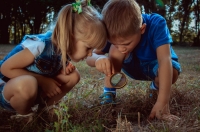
35 46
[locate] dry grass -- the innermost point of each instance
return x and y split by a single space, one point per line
82 112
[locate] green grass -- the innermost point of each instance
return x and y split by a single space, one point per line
80 110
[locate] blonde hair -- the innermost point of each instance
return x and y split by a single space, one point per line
86 26
122 17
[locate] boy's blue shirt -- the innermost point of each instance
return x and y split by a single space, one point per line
155 35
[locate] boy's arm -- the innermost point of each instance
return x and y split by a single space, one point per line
116 59
165 81
107 65
165 73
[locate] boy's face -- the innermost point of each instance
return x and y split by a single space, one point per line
126 44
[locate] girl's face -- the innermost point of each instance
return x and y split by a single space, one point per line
81 51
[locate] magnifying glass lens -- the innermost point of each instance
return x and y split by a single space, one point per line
118 80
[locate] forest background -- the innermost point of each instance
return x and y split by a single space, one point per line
20 17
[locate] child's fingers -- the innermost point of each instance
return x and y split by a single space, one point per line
152 115
73 68
99 67
58 84
49 95
70 68
112 69
104 67
55 92
52 94
71 65
170 117
67 71
58 90
108 69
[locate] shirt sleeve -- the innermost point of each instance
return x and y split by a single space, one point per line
160 31
35 46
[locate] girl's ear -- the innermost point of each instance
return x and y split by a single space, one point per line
143 28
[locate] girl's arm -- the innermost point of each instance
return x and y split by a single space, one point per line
95 55
15 66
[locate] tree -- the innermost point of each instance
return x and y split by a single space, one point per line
170 9
184 16
5 20
197 23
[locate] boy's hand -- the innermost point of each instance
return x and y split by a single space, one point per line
104 65
162 112
68 69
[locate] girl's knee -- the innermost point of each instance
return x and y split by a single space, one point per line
27 88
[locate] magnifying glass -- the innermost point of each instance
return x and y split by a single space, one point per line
118 80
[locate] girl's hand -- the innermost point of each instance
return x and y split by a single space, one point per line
50 87
68 69
162 112
104 65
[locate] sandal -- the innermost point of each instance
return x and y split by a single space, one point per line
26 118
108 98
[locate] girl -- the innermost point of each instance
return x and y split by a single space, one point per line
40 63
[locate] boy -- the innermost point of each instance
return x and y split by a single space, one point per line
140 46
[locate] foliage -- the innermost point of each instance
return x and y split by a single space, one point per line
33 16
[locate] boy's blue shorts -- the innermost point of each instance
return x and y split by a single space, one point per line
144 70
3 102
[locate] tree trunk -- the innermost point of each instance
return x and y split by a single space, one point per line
4 34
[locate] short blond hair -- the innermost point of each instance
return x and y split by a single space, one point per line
122 17
86 26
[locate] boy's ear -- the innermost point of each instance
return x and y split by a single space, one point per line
143 28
